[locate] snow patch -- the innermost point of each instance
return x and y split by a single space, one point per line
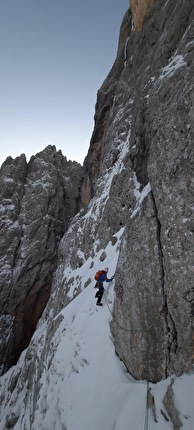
140 195
8 180
175 63
104 184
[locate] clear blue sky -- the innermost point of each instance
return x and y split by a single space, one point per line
54 56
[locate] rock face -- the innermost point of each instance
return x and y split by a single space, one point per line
148 110
138 180
155 267
38 200
96 154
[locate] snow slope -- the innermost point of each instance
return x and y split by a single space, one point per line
81 384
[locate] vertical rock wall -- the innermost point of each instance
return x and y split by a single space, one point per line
148 97
96 154
38 200
155 269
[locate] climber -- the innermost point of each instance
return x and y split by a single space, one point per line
99 285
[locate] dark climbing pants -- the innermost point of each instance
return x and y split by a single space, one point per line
99 294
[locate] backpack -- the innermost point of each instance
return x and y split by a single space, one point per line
98 274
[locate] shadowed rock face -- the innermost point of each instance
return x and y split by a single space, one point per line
38 200
94 161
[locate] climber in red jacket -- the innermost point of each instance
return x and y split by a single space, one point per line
99 285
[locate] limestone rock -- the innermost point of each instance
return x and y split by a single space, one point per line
171 408
38 200
93 162
138 179
155 267
143 183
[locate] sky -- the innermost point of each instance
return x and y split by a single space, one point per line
55 55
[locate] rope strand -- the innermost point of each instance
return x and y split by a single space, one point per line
146 419
128 329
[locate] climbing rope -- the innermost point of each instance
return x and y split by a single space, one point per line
128 329
146 419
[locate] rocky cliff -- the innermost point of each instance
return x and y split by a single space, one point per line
37 201
149 111
138 179
96 154
155 268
